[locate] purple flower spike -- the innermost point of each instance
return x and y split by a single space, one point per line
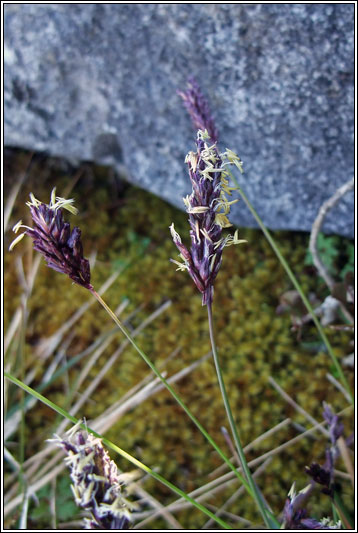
97 485
319 474
336 427
208 208
198 109
294 517
52 237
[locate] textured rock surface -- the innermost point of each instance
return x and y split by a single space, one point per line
98 82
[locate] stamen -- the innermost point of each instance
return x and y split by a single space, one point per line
15 241
175 235
234 159
233 239
206 235
197 209
192 158
197 231
65 204
222 220
181 266
203 134
218 243
17 226
186 201
212 262
53 197
34 201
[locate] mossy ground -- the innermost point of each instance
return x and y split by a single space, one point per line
126 226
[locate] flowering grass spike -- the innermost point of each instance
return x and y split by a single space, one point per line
198 109
208 208
297 519
52 237
97 485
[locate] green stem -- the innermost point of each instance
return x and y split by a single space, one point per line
297 286
121 452
172 392
339 508
240 451
21 356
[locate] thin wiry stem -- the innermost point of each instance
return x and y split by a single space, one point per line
316 228
171 390
297 287
233 427
235 496
111 445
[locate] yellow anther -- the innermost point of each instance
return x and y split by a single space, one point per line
175 235
197 231
197 209
15 241
222 220
34 201
17 226
192 158
212 262
206 235
181 266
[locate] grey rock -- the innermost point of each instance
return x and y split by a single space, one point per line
98 82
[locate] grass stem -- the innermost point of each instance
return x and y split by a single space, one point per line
116 448
172 391
297 287
255 493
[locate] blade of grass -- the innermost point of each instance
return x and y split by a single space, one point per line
296 406
256 441
118 450
254 490
170 389
109 364
105 421
296 285
236 495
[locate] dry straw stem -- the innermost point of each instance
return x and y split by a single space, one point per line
32 489
201 494
139 393
254 443
146 384
12 424
37 478
14 192
109 364
53 504
16 318
24 512
341 442
342 446
236 495
105 343
278 449
157 507
140 386
316 228
148 390
298 408
47 346
339 386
